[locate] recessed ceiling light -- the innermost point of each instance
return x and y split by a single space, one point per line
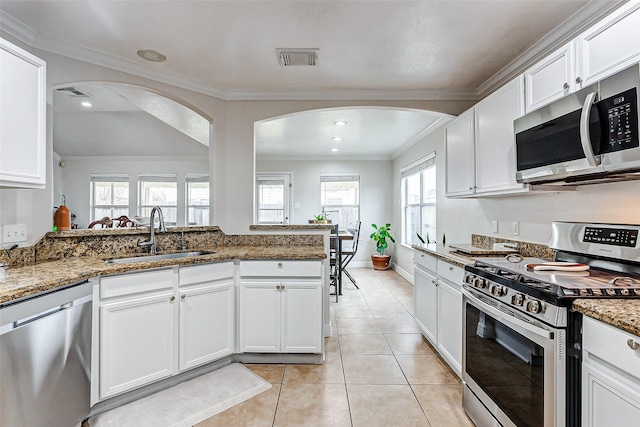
85 104
151 55
339 123
337 138
334 149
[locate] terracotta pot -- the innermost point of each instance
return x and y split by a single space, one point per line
380 262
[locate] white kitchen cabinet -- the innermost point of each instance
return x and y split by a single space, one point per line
426 303
449 335
23 117
551 78
460 155
610 376
206 313
495 139
280 307
137 327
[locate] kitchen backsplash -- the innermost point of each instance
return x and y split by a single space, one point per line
526 249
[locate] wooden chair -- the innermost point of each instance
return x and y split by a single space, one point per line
105 222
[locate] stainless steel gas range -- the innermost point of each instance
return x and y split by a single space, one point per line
521 340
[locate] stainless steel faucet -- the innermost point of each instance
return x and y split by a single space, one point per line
151 243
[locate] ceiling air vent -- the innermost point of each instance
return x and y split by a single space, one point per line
72 91
307 57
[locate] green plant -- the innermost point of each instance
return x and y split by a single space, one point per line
380 236
320 217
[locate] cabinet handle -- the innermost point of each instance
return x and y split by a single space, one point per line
632 344
282 287
173 298
565 86
279 265
450 268
578 80
183 296
433 281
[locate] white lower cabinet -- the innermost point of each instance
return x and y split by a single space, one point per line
426 301
280 307
450 324
610 376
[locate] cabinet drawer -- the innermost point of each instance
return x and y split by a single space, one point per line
450 272
611 345
132 283
280 269
425 261
205 273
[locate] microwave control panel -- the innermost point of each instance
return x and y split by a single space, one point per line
621 122
611 236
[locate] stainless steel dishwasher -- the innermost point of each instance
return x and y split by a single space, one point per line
45 359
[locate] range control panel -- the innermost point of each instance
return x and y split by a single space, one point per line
611 236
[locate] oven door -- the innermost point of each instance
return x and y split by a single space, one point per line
513 364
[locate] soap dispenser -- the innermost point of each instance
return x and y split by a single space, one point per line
62 217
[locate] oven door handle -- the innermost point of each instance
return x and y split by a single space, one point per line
516 319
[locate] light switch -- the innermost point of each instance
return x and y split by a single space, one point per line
516 228
494 226
14 233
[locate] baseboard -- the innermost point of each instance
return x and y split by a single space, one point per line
404 273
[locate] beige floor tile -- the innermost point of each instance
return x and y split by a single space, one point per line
425 369
372 369
357 326
403 324
270 373
408 344
373 343
332 344
257 411
313 405
328 373
345 312
443 405
384 405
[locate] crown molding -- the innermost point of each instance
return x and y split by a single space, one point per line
321 158
419 137
133 158
16 29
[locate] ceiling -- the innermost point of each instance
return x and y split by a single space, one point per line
382 50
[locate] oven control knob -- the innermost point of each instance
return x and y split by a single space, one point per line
498 290
479 283
517 299
468 279
533 306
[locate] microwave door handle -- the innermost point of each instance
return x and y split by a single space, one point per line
585 137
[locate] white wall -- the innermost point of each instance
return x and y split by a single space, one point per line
375 187
77 171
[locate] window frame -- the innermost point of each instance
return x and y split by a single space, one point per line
151 177
191 178
110 178
328 208
419 167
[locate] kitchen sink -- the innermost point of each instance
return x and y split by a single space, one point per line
159 257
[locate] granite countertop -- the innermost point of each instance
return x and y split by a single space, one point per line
443 252
290 227
622 314
24 281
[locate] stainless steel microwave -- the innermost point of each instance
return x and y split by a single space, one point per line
590 136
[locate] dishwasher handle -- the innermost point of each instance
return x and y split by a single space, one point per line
50 312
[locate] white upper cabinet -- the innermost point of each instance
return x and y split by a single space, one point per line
22 118
550 79
460 156
604 49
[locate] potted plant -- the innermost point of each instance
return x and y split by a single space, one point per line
380 235
320 219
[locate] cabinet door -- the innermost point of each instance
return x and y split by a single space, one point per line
206 324
550 79
23 118
137 342
609 46
450 325
259 317
495 140
301 317
459 153
426 301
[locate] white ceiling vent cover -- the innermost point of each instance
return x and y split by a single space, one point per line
307 57
72 91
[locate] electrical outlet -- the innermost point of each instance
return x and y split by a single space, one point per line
494 226
516 228
14 233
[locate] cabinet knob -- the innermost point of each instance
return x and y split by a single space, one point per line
578 80
633 345
565 86
173 298
433 281
279 265
183 296
450 268
470 188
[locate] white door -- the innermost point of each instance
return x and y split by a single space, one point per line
137 342
301 317
460 156
426 301
272 199
550 79
259 313
450 325
206 324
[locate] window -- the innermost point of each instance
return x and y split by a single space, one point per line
340 198
197 199
273 199
109 196
158 190
419 200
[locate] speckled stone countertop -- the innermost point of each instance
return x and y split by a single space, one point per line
23 281
622 314
442 252
290 227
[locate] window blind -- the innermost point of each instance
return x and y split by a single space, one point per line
419 165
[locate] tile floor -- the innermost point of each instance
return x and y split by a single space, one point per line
379 371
